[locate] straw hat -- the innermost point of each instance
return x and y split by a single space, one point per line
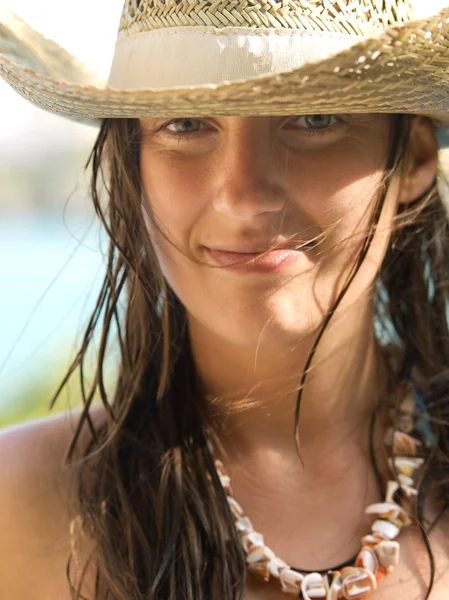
187 58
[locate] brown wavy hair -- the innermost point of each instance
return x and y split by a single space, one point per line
149 499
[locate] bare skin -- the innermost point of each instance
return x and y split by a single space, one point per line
35 523
248 179
237 180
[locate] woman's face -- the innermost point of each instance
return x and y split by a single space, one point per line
250 183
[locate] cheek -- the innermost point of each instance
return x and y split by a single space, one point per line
339 201
338 182
173 194
175 200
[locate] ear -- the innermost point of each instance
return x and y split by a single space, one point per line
421 162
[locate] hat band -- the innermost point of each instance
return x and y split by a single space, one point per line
184 56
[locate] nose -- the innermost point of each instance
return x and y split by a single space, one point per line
249 182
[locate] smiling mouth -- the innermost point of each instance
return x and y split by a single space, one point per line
266 261
262 249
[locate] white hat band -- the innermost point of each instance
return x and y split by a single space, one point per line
185 56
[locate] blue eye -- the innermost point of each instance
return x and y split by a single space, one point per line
319 121
307 124
187 122
316 125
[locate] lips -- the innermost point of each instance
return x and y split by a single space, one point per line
255 262
225 258
247 249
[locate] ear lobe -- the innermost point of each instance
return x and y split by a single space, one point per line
421 163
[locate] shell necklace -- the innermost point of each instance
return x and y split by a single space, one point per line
379 554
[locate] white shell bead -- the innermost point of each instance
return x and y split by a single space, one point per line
406 466
391 511
357 583
269 554
407 485
235 507
388 553
367 559
244 525
372 539
225 481
314 585
256 554
259 553
405 480
386 510
335 587
252 538
276 565
291 580
387 529
392 488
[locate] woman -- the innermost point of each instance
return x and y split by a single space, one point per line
277 285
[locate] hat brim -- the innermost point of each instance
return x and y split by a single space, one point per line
404 70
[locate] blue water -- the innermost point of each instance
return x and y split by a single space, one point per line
50 275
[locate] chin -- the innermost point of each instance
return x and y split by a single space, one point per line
267 327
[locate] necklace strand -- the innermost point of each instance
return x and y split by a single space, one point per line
379 553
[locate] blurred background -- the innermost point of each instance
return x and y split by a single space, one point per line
51 248
51 251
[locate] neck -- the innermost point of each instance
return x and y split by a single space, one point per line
253 391
253 402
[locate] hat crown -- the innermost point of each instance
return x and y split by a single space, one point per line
353 17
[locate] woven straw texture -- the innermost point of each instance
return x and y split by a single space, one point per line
404 69
20 41
359 17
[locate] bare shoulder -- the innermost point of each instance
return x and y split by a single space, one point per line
34 506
